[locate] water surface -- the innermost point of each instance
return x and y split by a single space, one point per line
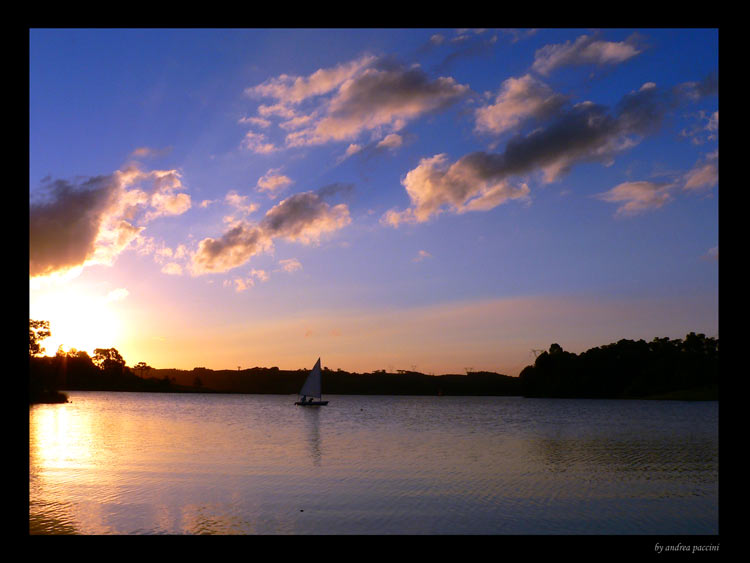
148 463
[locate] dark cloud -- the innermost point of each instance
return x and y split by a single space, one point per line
90 219
585 132
302 217
64 222
232 249
334 189
305 216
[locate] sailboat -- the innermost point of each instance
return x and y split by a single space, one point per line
311 389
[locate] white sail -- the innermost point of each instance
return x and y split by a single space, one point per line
311 388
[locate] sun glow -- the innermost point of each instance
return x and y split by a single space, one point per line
78 319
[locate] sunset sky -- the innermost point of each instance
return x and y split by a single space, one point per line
430 199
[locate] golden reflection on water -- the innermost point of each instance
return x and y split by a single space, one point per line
128 463
59 439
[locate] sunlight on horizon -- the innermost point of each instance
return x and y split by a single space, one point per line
78 319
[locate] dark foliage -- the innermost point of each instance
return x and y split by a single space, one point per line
627 369
662 368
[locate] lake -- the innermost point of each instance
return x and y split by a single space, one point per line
149 463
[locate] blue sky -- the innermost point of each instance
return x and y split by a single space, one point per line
383 198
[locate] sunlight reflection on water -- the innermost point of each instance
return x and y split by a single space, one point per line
137 463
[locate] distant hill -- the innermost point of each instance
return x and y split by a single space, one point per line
276 381
685 369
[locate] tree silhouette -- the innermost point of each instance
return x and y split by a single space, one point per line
142 367
38 331
627 369
109 360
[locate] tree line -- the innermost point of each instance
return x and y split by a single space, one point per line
77 370
663 368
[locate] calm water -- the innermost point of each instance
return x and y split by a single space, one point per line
139 463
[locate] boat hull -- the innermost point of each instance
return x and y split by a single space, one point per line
311 403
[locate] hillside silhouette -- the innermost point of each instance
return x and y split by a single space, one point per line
667 369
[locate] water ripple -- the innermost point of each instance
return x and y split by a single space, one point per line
171 464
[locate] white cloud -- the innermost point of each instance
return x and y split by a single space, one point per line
257 142
294 89
699 178
637 197
273 182
303 217
367 94
585 132
290 265
518 100
435 185
391 141
257 121
243 284
584 50
240 202
702 177
172 268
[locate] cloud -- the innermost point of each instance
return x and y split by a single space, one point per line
232 249
391 141
421 255
240 202
257 142
169 204
706 130
466 43
257 121
148 152
584 50
703 176
462 186
295 89
585 132
353 148
637 197
290 265
365 95
64 227
713 122
273 182
697 90
164 199
243 284
93 220
519 99
172 268
303 217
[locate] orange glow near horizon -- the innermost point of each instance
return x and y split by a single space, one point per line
78 319
479 335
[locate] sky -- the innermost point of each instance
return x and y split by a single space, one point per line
443 200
